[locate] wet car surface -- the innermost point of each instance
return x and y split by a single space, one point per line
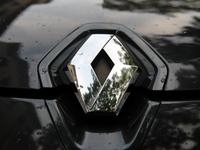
34 117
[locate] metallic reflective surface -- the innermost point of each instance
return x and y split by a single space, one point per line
94 96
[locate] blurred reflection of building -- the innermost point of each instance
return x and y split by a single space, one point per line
9 60
72 70
9 10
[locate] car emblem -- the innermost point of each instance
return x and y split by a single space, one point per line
102 70
99 65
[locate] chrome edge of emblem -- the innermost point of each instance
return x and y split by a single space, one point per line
94 95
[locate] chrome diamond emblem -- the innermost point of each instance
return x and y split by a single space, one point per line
101 70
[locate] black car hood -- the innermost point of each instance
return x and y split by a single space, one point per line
29 30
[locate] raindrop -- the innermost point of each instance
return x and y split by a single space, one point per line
18 141
39 133
115 92
44 70
163 66
18 134
163 80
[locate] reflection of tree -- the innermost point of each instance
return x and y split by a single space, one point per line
92 91
125 58
113 89
176 127
182 48
9 10
46 135
153 6
11 62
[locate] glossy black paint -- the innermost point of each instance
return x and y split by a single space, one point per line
30 29
78 131
26 124
172 28
153 71
176 126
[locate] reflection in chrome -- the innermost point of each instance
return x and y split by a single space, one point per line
94 95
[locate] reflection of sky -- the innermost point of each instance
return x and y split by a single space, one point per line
178 67
118 70
92 138
84 58
90 49
87 53
112 50
41 26
60 16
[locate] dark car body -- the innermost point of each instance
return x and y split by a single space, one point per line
37 117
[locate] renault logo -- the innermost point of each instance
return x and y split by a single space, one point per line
97 70
98 62
102 70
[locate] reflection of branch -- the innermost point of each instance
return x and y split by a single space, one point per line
181 55
113 88
92 91
178 123
152 6
109 97
125 58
